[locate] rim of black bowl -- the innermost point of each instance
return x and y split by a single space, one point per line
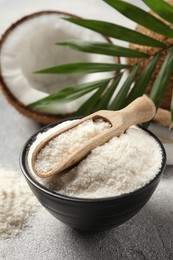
26 171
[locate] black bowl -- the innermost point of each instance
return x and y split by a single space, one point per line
90 214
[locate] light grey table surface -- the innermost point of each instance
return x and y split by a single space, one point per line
149 235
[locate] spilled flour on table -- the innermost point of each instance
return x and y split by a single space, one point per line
17 203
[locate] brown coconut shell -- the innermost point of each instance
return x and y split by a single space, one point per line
166 100
43 118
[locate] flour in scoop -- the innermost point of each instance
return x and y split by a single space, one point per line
60 147
120 166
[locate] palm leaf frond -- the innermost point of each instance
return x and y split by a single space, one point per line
162 79
117 32
69 93
103 48
83 68
120 99
141 17
89 105
107 95
162 8
143 80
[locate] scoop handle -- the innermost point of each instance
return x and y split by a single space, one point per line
139 111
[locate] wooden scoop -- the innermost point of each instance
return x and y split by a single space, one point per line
139 111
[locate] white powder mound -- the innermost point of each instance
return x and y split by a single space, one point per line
120 166
63 145
17 204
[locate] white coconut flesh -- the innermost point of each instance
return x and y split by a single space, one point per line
30 46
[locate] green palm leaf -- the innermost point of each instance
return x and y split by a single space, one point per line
143 80
83 68
88 106
120 99
103 48
105 98
117 31
141 17
162 8
69 93
162 79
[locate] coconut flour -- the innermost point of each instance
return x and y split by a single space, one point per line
17 203
120 166
67 142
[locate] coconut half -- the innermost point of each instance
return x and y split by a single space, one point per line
29 45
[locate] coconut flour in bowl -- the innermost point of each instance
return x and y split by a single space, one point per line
122 165
67 143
